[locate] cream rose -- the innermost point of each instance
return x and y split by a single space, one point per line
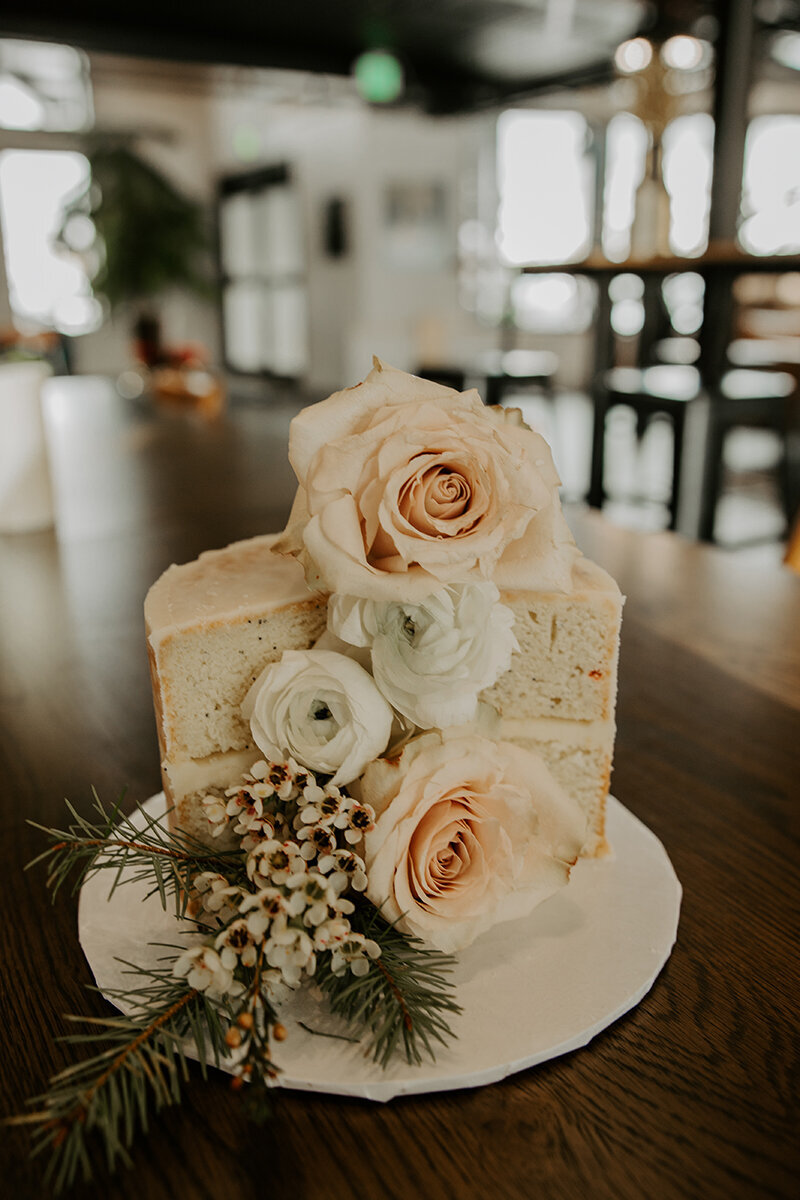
320 708
469 833
430 660
405 485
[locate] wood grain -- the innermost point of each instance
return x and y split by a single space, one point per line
693 1094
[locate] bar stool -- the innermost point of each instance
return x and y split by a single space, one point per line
507 370
754 400
660 390
749 398
452 377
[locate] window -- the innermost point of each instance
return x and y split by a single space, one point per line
43 86
688 153
626 150
47 287
771 186
545 180
264 295
545 184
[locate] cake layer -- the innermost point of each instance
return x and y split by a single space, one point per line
186 782
566 665
578 754
212 627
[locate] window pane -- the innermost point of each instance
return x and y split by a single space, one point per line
289 331
545 182
626 152
46 285
43 86
243 324
771 193
688 151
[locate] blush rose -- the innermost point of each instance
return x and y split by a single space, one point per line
405 485
469 833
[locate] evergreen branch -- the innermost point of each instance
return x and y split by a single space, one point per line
389 986
405 999
168 860
109 1096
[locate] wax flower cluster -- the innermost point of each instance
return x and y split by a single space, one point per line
290 903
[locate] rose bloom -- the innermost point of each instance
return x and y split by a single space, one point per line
405 485
321 709
430 660
469 833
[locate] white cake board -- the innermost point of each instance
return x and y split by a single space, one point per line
531 989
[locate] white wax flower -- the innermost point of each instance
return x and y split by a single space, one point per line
431 659
205 971
320 708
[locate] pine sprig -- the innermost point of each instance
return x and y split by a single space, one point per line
266 918
405 1000
140 1070
136 852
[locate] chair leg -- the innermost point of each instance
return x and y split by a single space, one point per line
596 494
712 478
678 421
494 390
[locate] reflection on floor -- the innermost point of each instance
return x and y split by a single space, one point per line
749 516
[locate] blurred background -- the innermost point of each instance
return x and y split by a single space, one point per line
589 209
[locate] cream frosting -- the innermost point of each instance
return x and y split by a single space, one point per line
242 578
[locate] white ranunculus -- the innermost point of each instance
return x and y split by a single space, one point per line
320 708
432 658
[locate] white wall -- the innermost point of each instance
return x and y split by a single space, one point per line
360 304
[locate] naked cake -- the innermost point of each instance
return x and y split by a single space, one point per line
370 530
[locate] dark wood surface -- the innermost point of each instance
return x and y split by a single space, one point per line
693 1094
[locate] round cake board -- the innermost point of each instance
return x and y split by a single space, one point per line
530 990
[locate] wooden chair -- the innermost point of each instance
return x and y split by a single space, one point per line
750 398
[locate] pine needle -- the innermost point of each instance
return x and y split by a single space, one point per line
404 1001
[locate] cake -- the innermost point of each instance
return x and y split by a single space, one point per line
362 530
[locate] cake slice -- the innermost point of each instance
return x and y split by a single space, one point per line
212 626
215 623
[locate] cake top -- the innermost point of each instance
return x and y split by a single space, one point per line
240 578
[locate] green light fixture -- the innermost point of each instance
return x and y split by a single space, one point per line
378 76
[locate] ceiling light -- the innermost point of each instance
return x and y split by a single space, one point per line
379 76
633 55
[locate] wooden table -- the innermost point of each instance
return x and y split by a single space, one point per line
693 1094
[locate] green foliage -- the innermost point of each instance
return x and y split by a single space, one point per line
153 237
140 1069
400 1004
145 850
403 1002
